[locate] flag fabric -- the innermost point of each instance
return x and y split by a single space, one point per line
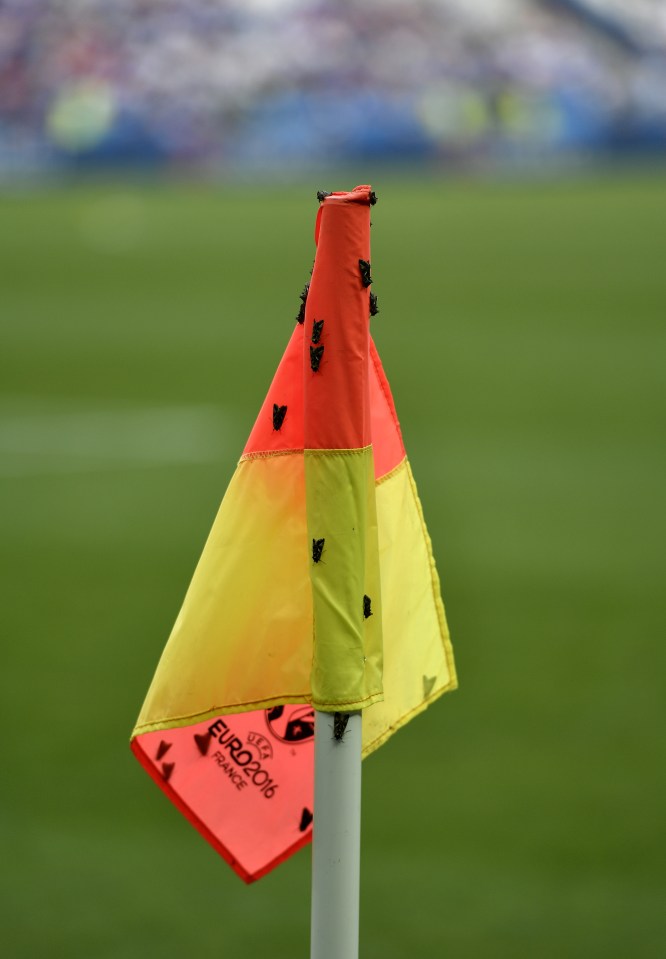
316 589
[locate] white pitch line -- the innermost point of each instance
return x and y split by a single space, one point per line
43 438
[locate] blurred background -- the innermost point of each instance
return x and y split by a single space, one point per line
158 169
255 84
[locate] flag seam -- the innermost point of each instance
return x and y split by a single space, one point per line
344 451
391 473
265 454
311 451
229 710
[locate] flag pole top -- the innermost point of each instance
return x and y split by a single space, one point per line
360 194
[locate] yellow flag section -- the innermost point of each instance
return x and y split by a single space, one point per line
244 640
418 659
316 588
342 528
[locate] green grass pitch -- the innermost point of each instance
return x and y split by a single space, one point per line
522 330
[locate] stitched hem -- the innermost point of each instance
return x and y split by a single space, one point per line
391 473
434 582
337 452
266 454
398 724
176 722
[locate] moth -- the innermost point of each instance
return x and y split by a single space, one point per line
306 819
279 413
340 721
364 267
203 742
428 683
316 353
300 318
367 611
317 549
163 749
317 328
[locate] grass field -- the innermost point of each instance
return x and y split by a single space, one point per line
522 329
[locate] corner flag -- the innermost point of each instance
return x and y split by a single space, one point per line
316 589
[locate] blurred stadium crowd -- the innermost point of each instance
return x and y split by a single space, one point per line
280 83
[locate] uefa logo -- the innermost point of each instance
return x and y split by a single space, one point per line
291 724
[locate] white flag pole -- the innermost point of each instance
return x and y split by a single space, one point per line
336 843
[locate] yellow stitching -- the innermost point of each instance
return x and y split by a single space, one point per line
338 452
391 473
231 709
405 718
264 454
176 721
269 453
